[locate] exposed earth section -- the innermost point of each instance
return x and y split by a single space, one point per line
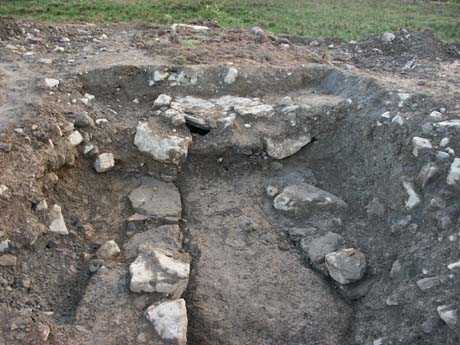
244 189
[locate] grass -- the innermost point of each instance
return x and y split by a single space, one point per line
345 19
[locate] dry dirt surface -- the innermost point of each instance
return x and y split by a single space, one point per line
195 185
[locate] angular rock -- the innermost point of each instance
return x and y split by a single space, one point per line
162 101
428 283
157 199
231 75
164 148
449 315
346 266
321 246
453 178
413 198
159 270
75 138
170 321
427 173
388 37
305 198
285 147
57 223
104 162
108 250
51 83
420 145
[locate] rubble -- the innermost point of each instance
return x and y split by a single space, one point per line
346 266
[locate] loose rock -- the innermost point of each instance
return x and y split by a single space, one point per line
285 147
57 223
170 321
75 138
51 83
104 162
453 178
305 198
346 266
162 101
419 145
108 250
231 76
449 315
320 247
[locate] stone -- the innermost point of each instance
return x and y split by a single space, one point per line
165 236
164 148
453 177
346 266
436 115
161 271
444 142
231 75
42 205
51 83
285 147
455 123
259 34
449 315
4 245
162 101
170 321
199 28
413 199
75 138
419 145
428 283
427 173
104 162
95 264
321 246
8 260
157 199
108 250
83 120
57 223
6 147
255 111
272 191
305 198
388 37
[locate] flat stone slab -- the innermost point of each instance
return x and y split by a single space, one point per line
157 199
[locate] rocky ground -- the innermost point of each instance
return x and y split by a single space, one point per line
189 184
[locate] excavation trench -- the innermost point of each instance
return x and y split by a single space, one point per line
252 280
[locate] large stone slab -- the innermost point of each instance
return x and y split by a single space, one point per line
157 199
163 147
170 321
306 198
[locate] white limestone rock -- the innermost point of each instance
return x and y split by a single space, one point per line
108 250
449 315
170 321
162 147
51 83
161 271
285 147
75 138
57 223
231 75
419 145
453 178
104 162
162 100
305 198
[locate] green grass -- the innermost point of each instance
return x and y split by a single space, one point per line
345 19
